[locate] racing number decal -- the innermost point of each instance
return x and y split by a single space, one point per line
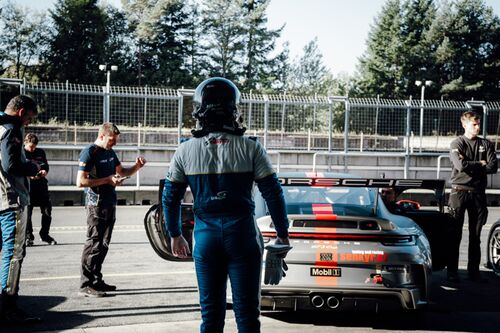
329 263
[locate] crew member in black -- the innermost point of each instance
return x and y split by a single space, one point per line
389 197
472 159
99 172
39 192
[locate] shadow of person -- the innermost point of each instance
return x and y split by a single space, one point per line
40 306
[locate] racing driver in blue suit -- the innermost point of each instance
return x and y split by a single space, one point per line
220 165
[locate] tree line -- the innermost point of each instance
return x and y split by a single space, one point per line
178 43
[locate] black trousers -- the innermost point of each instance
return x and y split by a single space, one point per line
46 211
476 206
100 223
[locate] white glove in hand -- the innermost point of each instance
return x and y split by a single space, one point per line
275 264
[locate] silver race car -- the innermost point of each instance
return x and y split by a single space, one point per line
349 250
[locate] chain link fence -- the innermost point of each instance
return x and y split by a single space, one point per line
150 116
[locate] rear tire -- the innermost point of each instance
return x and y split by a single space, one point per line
494 249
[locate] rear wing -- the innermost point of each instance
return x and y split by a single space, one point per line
400 185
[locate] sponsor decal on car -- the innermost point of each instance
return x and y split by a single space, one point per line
323 271
351 182
335 258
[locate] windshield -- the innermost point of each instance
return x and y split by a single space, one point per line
334 200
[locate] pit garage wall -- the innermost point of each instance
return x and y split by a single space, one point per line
64 166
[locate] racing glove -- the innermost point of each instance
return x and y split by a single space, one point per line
275 265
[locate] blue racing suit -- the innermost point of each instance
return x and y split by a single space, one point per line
220 169
14 199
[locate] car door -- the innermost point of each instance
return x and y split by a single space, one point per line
157 233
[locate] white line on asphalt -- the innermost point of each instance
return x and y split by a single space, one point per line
116 274
72 229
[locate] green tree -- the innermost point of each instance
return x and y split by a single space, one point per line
223 21
75 43
466 39
259 71
118 46
168 46
417 62
308 74
21 40
196 61
381 66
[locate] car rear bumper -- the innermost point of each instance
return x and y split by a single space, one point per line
328 300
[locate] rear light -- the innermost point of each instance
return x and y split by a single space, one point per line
400 241
387 240
377 279
325 224
368 225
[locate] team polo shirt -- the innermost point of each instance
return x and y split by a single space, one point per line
99 163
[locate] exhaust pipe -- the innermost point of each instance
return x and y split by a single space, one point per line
332 302
317 301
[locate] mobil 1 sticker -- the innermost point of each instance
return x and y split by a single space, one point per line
326 271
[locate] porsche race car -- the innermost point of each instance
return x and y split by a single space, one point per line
349 250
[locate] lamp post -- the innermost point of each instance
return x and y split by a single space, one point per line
422 84
108 69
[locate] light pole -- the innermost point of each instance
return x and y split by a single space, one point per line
422 84
108 69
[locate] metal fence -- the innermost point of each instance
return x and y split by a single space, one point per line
162 117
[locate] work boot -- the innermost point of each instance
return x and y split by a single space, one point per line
30 240
91 292
103 286
49 240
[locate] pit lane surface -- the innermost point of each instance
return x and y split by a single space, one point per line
151 290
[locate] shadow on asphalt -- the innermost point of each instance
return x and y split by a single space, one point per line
64 320
40 306
465 307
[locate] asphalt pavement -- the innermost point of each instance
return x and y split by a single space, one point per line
154 295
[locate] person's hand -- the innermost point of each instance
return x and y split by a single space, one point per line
180 247
140 161
483 162
285 241
115 180
275 266
42 173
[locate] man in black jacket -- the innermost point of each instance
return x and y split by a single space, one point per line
14 199
39 192
472 158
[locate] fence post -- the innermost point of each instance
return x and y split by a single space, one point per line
408 131
346 132
249 122
283 111
179 116
66 120
315 110
104 104
377 110
485 120
266 118
330 129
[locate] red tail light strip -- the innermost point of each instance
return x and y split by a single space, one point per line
322 209
334 236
